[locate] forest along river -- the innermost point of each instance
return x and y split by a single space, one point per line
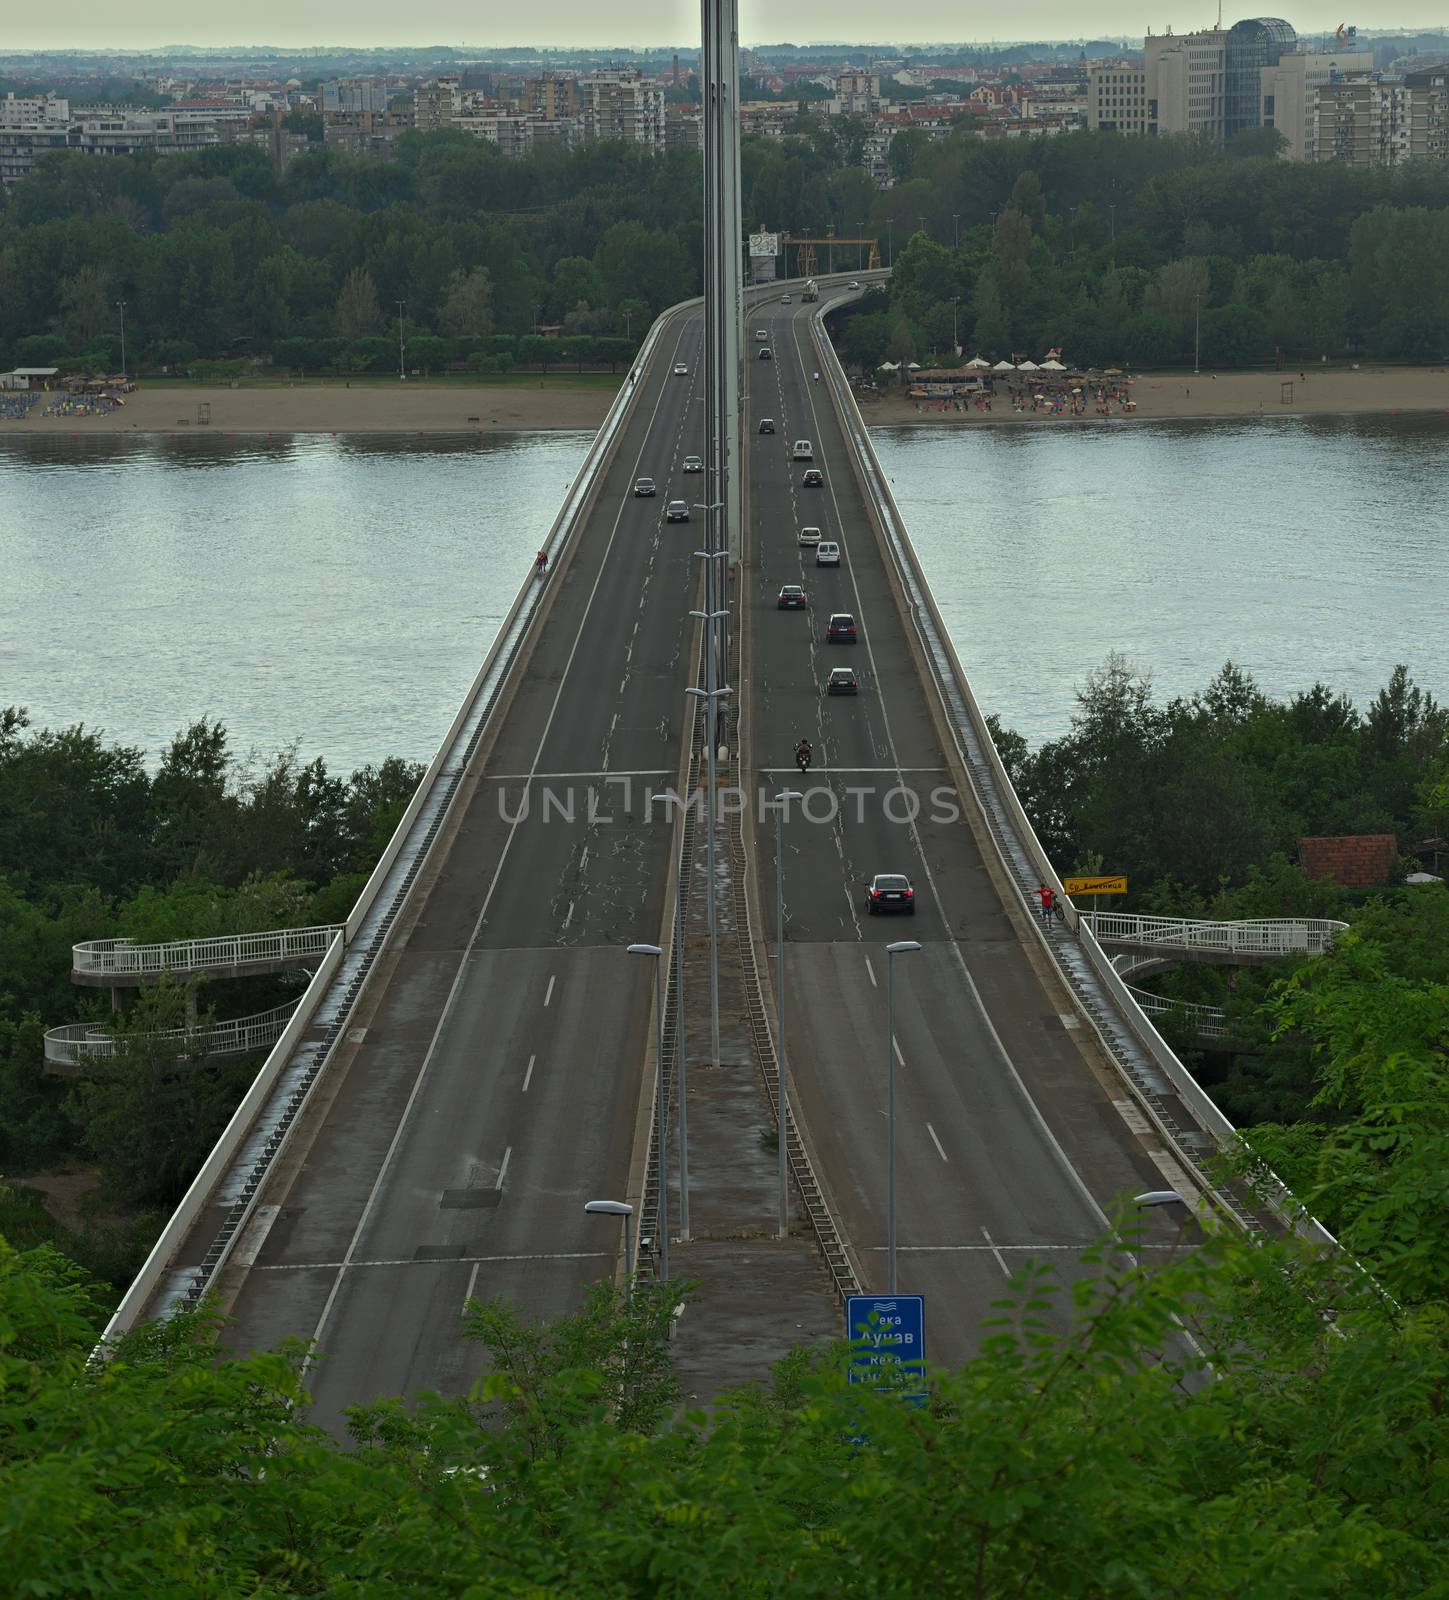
342 592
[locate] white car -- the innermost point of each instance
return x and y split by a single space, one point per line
827 553
809 536
784 299
680 370
852 284
693 464
762 334
803 451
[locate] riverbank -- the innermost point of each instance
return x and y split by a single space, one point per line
1158 395
336 407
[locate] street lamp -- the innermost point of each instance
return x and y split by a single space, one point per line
900 947
955 342
122 305
660 1109
782 801
681 1083
1196 331
618 1208
401 372
1144 1202
956 228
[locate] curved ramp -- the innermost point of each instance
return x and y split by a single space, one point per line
69 1049
114 963
1246 943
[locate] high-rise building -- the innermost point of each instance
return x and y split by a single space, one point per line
353 96
436 104
1251 46
1429 112
1369 120
620 104
1289 92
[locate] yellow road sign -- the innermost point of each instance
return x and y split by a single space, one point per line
1101 885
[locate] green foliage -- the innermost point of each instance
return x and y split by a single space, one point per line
1101 1462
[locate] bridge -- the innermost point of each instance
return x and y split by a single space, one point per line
475 1055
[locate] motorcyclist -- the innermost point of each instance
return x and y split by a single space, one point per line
802 754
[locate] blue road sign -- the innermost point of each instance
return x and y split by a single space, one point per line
889 1333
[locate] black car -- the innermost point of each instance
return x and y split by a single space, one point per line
766 355
677 511
814 479
644 486
767 424
890 891
791 598
840 629
842 680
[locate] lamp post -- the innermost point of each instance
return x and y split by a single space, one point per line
660 1109
618 1208
401 371
122 306
900 947
710 696
956 229
1144 1202
782 802
864 224
955 342
890 241
1196 332
628 318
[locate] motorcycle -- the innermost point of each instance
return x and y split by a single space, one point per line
802 760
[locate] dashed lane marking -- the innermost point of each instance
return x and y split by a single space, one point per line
411 1261
528 1076
548 993
935 1141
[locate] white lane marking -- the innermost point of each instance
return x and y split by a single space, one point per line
583 859
1000 1259
318 1340
568 918
503 1169
900 1059
472 1285
548 993
935 1141
528 1076
870 973
453 1261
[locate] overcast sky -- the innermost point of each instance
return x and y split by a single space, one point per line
145 24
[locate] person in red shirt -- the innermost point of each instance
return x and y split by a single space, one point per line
1048 898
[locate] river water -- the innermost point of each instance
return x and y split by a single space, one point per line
341 592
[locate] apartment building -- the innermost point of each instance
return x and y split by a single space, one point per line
1429 112
1371 120
354 96
1289 90
436 104
622 104
29 128
1118 100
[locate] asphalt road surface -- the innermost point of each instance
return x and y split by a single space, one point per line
1009 1145
492 1084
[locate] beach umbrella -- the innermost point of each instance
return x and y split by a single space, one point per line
1052 366
1111 372
915 366
1028 366
889 366
1004 366
978 361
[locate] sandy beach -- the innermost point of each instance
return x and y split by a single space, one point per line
1333 391
335 408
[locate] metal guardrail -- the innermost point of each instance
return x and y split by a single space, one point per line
234 1172
123 957
1148 1065
79 1043
1209 1022
1266 936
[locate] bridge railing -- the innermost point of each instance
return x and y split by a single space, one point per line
1210 1022
124 958
1269 936
79 1043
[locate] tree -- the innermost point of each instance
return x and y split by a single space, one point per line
86 310
357 313
467 305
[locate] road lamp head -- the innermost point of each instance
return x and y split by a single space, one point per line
1158 1197
708 616
901 946
712 555
644 950
609 1208
785 796
709 694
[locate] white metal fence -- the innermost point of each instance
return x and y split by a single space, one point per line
82 1042
122 958
1266 937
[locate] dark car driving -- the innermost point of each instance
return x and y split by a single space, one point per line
840 629
890 891
791 598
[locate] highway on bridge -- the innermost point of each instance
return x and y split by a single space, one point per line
1009 1141
491 1082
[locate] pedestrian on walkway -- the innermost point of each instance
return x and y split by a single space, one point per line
1048 898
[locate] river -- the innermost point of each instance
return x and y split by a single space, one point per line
341 592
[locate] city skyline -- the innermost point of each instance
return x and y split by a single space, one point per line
159 24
